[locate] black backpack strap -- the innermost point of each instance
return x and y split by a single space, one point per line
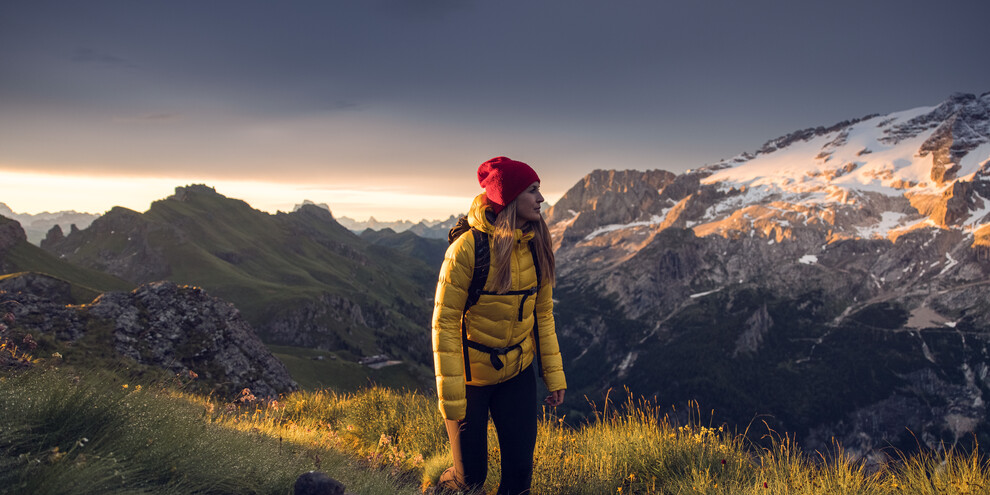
459 228
537 355
482 260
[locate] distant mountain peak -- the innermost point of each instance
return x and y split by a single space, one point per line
307 202
36 226
182 193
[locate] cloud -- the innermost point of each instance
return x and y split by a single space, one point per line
86 55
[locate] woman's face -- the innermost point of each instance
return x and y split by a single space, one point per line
528 204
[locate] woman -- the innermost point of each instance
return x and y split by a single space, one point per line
484 350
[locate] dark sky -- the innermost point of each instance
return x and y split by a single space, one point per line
407 97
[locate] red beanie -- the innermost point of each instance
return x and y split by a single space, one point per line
504 179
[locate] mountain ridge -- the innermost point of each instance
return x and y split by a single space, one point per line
299 278
740 283
37 225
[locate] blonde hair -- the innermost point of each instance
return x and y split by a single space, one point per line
503 240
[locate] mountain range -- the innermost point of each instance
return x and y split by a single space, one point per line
37 225
300 279
830 284
431 229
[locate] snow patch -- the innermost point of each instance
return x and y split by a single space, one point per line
827 170
889 220
971 163
703 294
656 220
627 362
982 214
951 263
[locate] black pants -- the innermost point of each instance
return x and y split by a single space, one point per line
513 409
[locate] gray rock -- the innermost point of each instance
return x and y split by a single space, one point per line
183 329
317 483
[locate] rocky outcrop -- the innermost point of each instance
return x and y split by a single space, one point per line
42 286
11 233
756 329
52 237
963 123
806 135
178 328
183 329
607 197
41 305
125 245
324 317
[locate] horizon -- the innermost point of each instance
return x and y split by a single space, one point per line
385 109
266 197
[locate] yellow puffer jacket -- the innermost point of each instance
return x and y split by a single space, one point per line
493 321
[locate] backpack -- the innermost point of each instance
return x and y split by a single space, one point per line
482 262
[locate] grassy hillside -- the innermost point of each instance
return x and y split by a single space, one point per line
315 369
98 434
86 283
299 278
430 251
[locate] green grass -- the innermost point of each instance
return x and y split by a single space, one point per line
634 449
93 433
86 283
63 434
273 268
338 371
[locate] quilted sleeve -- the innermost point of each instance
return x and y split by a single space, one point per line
448 307
553 366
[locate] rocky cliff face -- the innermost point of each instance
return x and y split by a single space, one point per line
127 245
177 328
11 233
610 197
834 279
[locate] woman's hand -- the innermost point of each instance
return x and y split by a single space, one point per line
555 398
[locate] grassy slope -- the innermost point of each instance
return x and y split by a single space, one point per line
430 251
341 375
86 283
288 260
271 264
101 433
96 435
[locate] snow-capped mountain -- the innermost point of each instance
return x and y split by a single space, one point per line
927 166
878 176
835 279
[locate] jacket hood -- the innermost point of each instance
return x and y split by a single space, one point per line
478 216
482 215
